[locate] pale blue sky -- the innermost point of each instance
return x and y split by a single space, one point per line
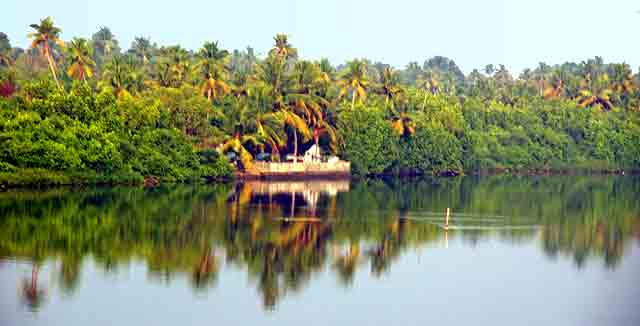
473 33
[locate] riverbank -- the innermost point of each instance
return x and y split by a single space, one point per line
27 178
35 178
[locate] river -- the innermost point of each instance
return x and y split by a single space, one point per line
562 250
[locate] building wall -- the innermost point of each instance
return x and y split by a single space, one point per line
312 168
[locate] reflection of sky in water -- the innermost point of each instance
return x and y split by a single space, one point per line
492 282
518 251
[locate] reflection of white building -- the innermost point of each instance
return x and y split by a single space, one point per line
331 187
310 190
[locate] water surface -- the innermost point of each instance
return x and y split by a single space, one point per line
517 251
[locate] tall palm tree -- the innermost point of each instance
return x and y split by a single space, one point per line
212 65
554 90
237 120
305 76
489 69
354 80
5 51
595 92
176 61
211 51
282 48
622 82
82 64
214 84
314 110
401 122
268 124
143 48
297 124
280 54
273 73
601 97
428 83
118 77
327 76
389 84
105 44
45 33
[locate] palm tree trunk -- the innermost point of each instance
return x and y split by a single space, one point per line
53 70
386 102
353 99
424 102
82 74
295 146
316 138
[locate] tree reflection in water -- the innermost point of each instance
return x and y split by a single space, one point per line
32 294
284 233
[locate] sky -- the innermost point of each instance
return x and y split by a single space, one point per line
517 33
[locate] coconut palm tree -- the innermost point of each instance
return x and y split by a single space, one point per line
239 127
268 124
273 73
293 120
327 76
489 69
314 110
142 48
45 34
622 82
354 80
211 51
214 85
118 77
323 128
305 76
403 124
389 84
279 55
176 62
555 89
595 92
105 45
212 66
282 49
589 98
80 53
5 51
428 83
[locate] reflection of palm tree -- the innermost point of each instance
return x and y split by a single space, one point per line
205 272
70 272
33 296
346 264
269 280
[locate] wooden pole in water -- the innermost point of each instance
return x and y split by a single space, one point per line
446 239
446 220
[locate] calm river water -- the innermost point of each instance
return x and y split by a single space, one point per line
518 251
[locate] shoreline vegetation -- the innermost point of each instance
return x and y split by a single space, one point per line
86 111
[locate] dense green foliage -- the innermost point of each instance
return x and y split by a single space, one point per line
143 111
476 136
79 132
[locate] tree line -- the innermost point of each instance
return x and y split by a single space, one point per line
422 119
